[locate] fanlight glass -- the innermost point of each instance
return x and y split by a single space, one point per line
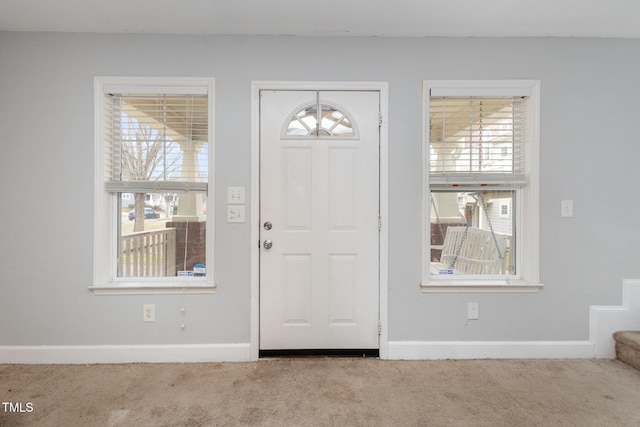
330 122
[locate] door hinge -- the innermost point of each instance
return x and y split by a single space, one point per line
379 328
379 224
379 119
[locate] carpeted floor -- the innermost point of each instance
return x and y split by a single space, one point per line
324 392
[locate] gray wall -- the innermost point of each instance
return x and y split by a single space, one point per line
589 151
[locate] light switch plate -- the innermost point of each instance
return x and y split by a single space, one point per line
235 195
472 311
235 213
566 208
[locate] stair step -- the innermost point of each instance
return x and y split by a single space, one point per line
628 347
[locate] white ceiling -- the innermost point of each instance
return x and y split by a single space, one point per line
413 18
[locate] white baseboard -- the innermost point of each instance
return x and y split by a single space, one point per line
605 320
81 354
438 350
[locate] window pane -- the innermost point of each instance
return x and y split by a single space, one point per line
472 232
168 240
477 135
332 122
159 138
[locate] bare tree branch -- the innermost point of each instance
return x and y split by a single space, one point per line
145 158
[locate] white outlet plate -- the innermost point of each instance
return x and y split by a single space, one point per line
149 313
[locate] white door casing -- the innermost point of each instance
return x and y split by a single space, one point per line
319 282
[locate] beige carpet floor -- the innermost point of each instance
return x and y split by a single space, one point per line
324 392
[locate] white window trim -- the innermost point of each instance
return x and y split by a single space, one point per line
105 281
528 202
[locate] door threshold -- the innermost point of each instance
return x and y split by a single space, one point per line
311 353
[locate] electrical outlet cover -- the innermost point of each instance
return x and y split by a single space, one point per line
149 313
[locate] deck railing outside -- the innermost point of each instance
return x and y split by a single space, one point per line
148 254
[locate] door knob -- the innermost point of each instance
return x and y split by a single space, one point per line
268 244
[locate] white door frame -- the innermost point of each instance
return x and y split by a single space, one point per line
383 89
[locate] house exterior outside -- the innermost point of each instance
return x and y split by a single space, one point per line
153 199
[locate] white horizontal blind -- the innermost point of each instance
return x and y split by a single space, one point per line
477 140
156 143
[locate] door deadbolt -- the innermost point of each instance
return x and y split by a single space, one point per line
267 225
268 244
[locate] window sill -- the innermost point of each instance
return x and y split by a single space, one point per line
153 288
480 286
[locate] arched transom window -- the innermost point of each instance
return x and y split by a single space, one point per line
333 121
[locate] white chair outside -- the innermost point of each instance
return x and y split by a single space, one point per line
471 250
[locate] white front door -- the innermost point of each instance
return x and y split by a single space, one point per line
319 216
